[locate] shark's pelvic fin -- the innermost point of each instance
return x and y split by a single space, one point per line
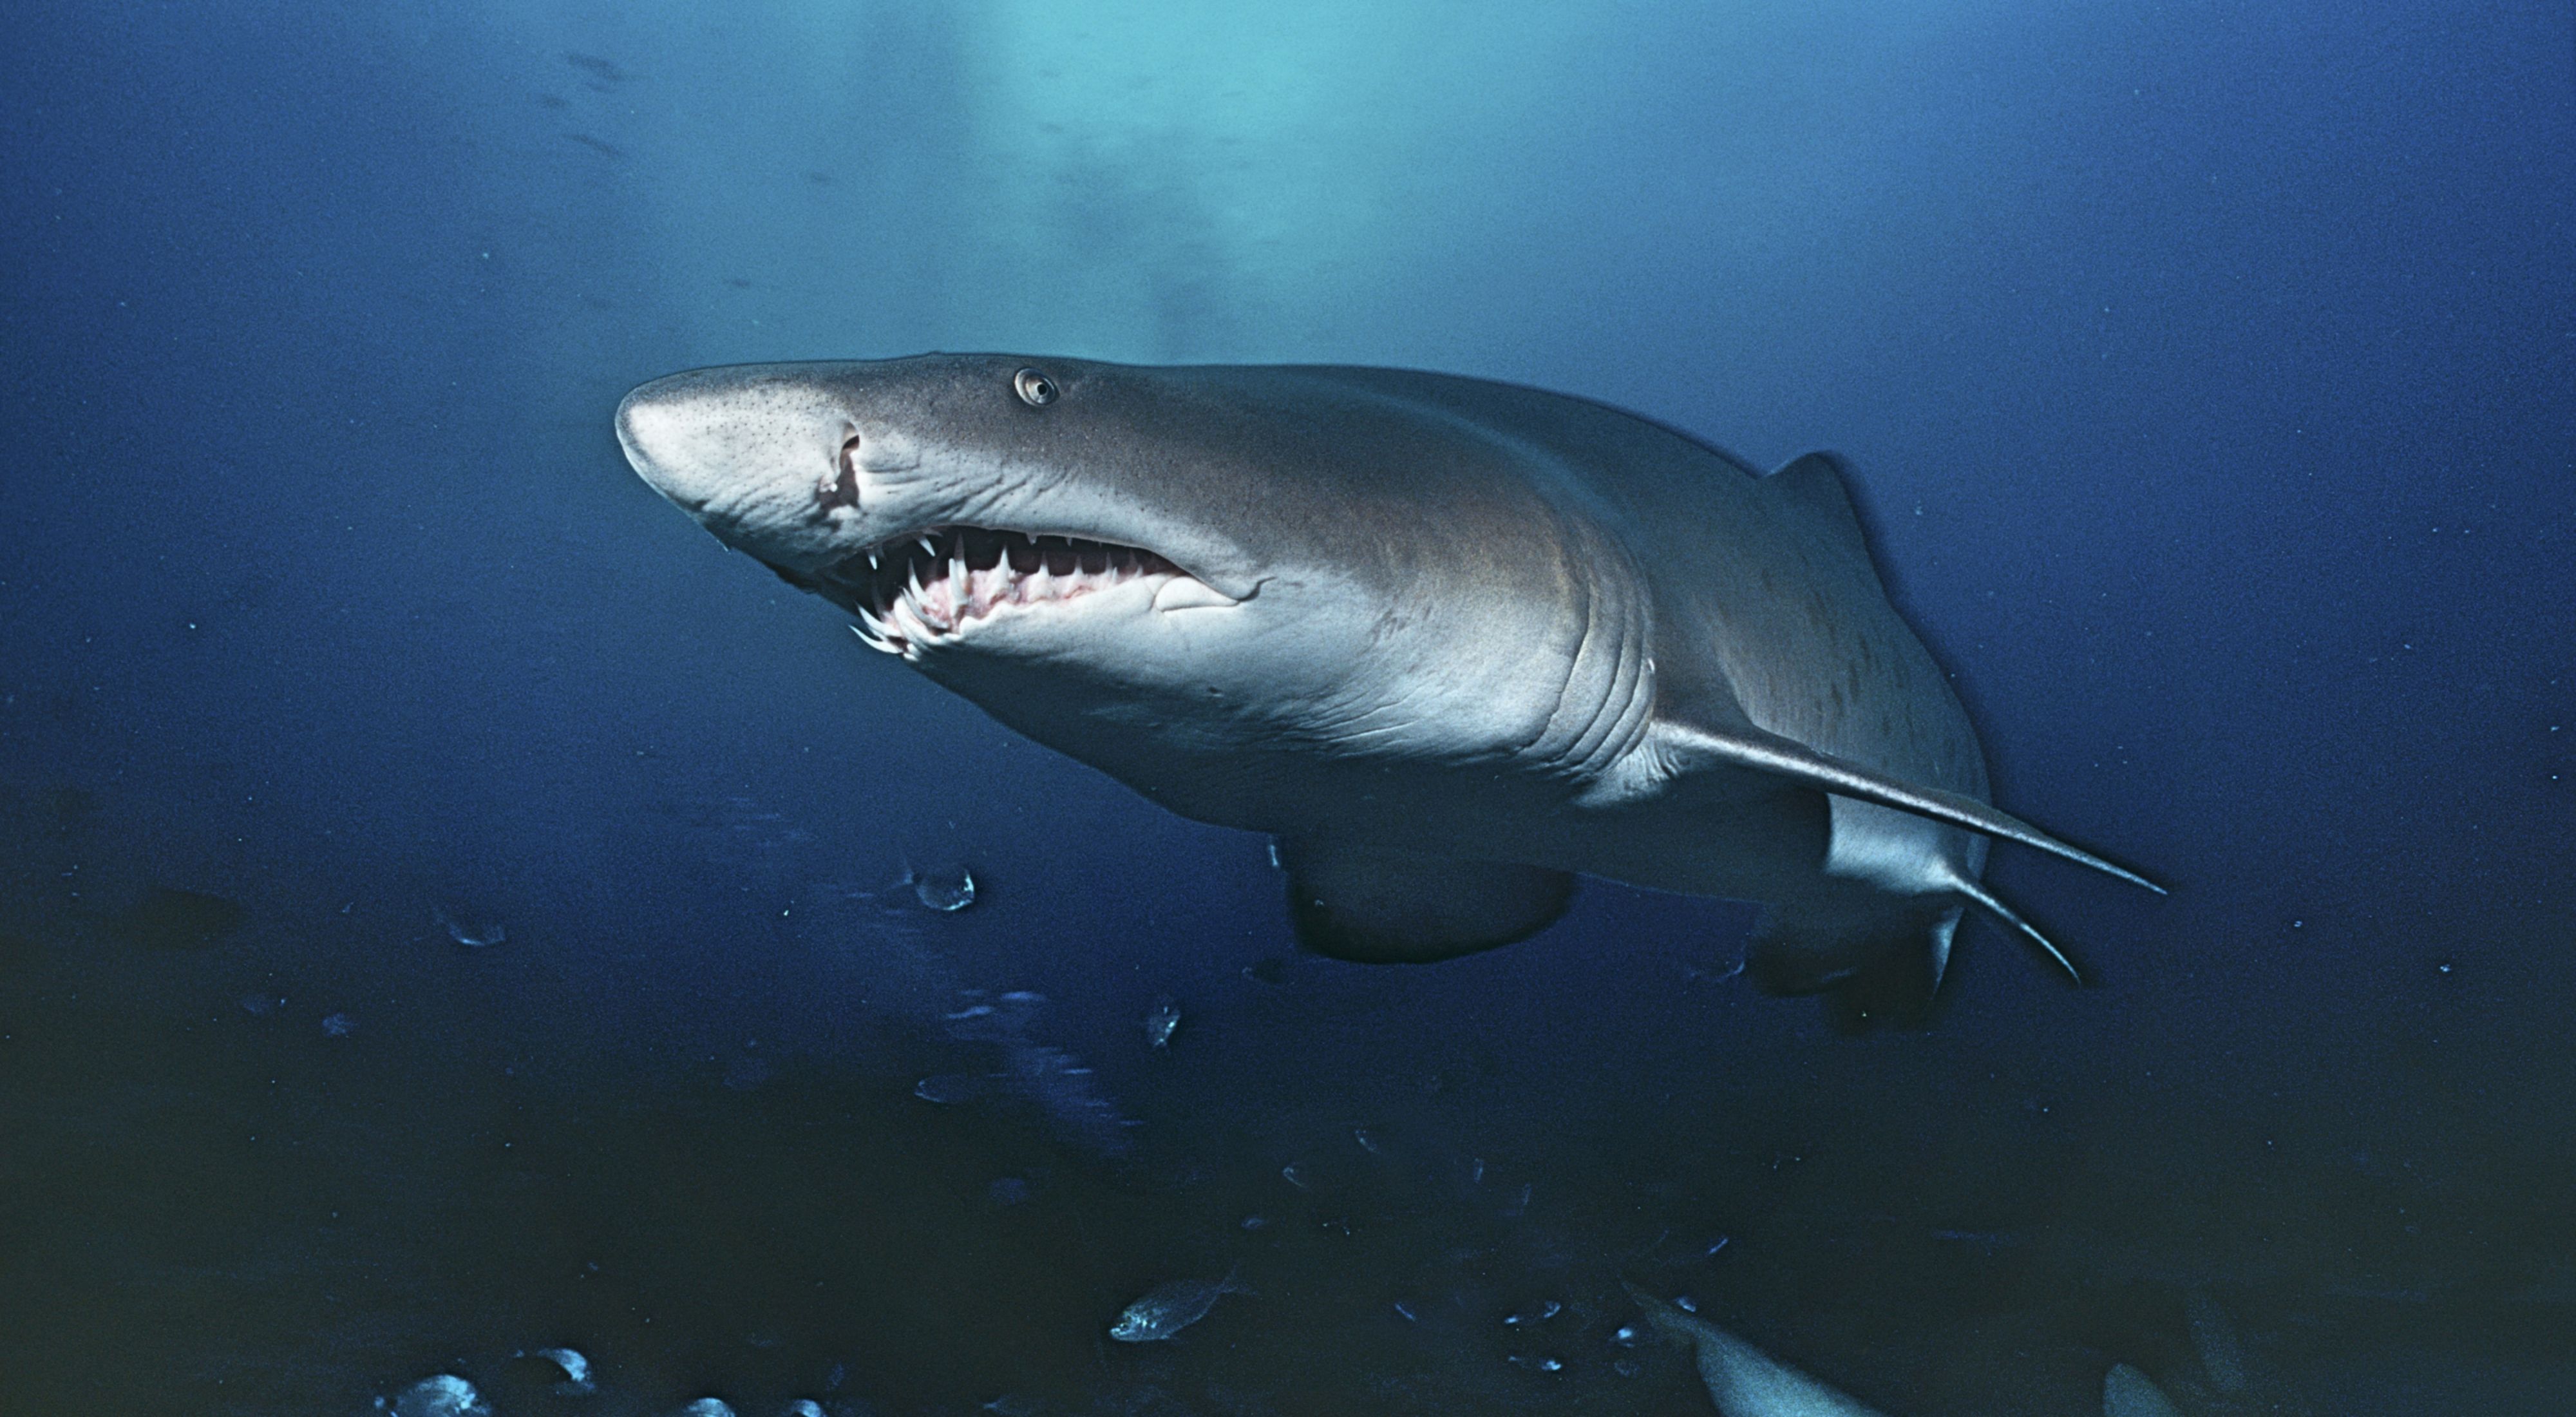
1384 908
1944 931
1753 750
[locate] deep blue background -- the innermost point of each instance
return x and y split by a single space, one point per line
2209 371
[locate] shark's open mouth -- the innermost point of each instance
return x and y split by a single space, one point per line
926 588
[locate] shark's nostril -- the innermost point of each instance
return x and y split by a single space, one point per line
842 490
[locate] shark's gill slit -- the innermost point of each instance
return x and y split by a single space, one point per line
929 585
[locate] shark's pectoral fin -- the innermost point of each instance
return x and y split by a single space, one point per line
1686 750
1391 908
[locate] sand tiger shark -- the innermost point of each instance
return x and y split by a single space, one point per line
1452 643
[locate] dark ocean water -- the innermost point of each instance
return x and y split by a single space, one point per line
2209 372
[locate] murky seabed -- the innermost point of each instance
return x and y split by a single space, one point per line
213 1202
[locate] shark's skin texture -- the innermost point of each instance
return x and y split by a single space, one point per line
1454 643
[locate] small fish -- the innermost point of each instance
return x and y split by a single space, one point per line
949 1089
444 1395
1696 1253
1161 1022
575 1368
472 937
1272 971
603 68
936 891
1168 1308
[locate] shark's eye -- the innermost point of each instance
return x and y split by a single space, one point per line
1034 387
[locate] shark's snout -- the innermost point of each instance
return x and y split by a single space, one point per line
755 455
657 425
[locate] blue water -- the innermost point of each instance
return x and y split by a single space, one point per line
2208 371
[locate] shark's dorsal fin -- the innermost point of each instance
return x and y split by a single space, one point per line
1389 907
1743 1380
2126 1392
1814 484
1683 748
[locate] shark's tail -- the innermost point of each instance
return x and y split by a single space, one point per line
1974 892
1883 967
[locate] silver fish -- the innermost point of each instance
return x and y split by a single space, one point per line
1162 1022
1170 1307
